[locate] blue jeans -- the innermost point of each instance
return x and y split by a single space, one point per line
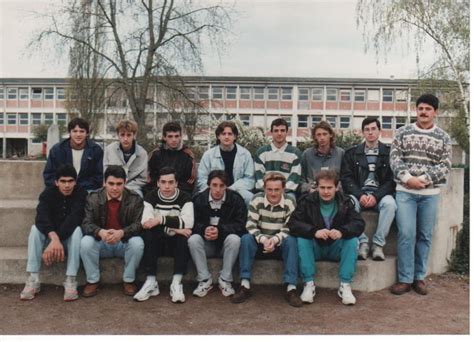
416 217
93 250
342 250
387 207
37 241
289 253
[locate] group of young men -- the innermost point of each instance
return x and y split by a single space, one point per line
286 205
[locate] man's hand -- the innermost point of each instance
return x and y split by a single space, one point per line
114 236
211 233
55 250
186 232
151 222
269 245
416 183
322 234
335 234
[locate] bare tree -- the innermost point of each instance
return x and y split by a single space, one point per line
445 23
139 45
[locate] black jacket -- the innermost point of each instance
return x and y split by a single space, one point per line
59 213
90 176
307 218
130 213
355 170
233 216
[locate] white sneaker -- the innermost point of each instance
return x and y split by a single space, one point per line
345 293
176 293
70 290
309 291
203 288
149 288
32 288
226 288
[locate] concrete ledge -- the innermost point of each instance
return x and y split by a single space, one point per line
16 219
21 179
370 275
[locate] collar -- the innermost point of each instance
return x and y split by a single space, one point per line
179 148
316 152
110 198
222 200
168 199
276 149
266 203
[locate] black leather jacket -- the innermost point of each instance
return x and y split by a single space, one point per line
355 170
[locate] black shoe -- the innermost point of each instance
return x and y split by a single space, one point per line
241 296
293 299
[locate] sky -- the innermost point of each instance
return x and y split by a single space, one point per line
273 38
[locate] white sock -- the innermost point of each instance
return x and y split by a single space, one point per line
290 287
347 284
34 276
245 283
309 283
70 279
177 279
150 279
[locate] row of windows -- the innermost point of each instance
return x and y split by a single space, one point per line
34 94
22 119
243 93
349 95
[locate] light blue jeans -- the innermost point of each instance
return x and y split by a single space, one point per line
342 250
416 217
37 242
387 207
93 250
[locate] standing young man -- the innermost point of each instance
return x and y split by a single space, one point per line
129 155
111 227
327 226
366 176
58 216
219 222
268 237
173 153
279 156
229 156
421 160
167 221
84 154
325 155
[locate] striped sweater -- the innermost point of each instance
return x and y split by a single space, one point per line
423 153
265 219
177 211
286 160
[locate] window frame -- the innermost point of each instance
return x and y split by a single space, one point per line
301 94
256 92
343 124
217 92
273 93
345 93
232 94
12 95
23 93
286 93
384 123
303 123
314 94
247 93
22 121
36 95
360 91
333 92
10 117
385 95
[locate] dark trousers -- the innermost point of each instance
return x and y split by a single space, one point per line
157 244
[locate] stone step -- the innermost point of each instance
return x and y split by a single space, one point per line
370 276
16 219
21 179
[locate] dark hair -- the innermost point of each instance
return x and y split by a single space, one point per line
167 170
327 127
279 122
65 170
77 121
369 120
430 99
218 174
223 125
328 175
171 126
115 171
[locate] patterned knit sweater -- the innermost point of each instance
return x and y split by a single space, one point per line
422 153
286 160
265 219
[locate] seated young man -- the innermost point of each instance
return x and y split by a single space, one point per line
58 215
327 226
219 222
167 221
84 154
111 227
127 153
268 237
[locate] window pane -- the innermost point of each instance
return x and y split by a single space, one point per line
12 93
317 94
36 119
48 118
23 93
303 94
217 93
23 119
258 93
359 95
302 121
273 93
386 122
331 94
61 95
345 95
401 121
344 121
245 119
288 120
373 95
388 95
315 119
203 93
48 93
2 119
11 119
245 93
2 94
61 119
231 93
36 93
286 93
332 120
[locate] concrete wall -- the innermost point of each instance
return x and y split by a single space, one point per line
21 179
